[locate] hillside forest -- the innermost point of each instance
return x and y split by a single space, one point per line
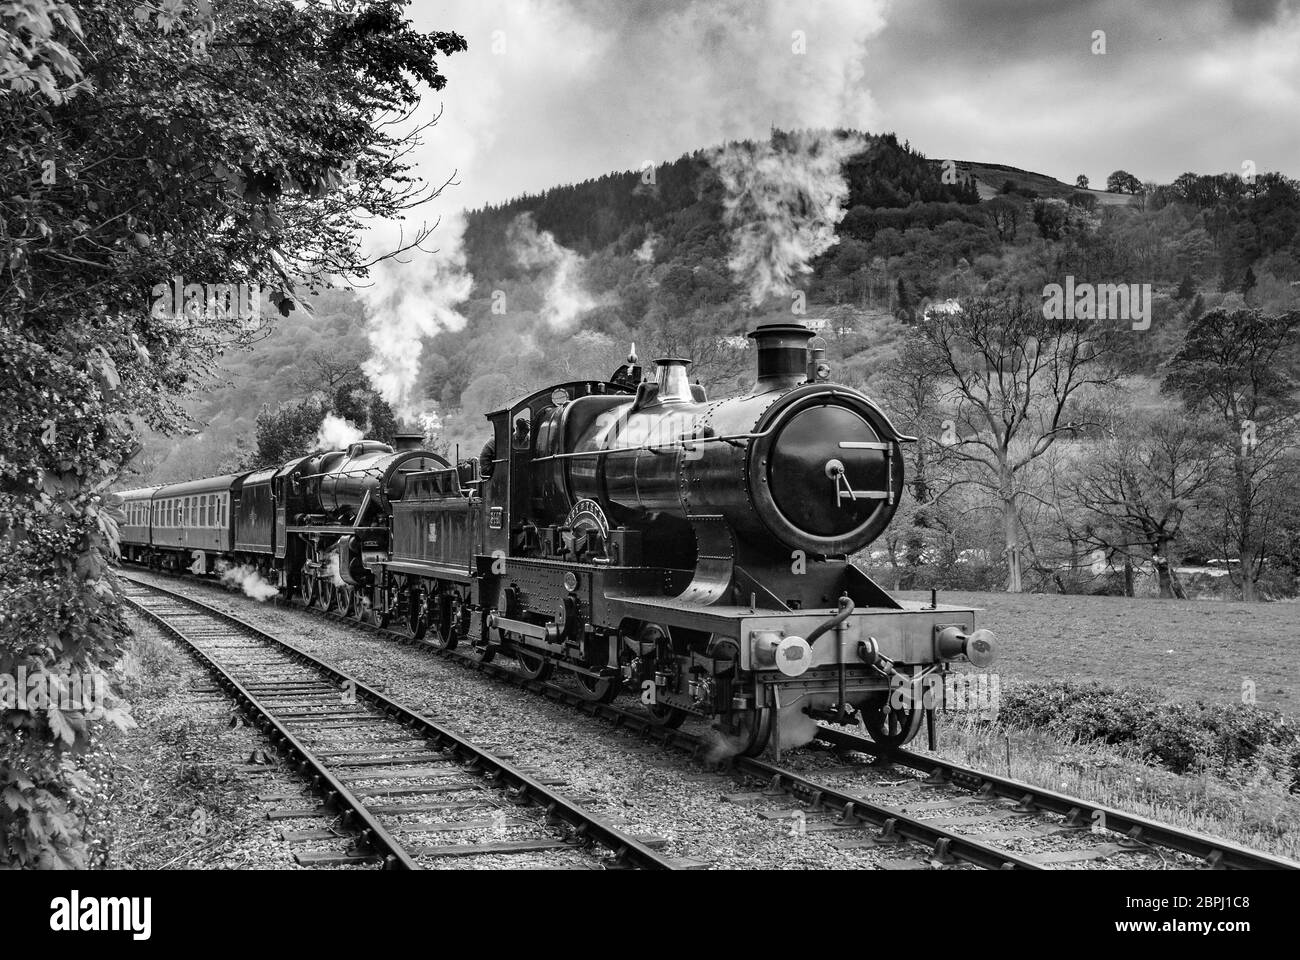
1153 455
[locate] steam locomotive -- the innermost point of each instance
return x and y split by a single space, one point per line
630 534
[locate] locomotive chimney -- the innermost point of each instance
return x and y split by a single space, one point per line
782 355
408 440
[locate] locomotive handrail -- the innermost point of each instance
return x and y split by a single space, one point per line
359 472
652 448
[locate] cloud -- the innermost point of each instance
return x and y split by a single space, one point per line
1184 84
553 92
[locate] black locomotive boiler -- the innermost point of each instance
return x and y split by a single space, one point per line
640 538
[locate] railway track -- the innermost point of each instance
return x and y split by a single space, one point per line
1135 833
868 815
380 769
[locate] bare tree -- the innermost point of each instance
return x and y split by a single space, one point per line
1136 486
1014 381
325 371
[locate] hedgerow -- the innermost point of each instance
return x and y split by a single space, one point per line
1179 735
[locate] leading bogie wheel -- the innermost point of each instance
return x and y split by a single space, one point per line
596 689
892 727
746 732
666 715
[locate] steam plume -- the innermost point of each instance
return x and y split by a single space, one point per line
565 296
335 433
407 303
782 203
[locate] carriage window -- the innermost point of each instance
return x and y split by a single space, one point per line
207 510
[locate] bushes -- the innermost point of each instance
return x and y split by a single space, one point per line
1180 735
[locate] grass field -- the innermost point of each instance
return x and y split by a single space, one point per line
1195 649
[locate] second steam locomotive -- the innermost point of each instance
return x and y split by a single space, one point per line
631 534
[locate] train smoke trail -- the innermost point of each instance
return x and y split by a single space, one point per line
783 201
407 302
565 297
335 433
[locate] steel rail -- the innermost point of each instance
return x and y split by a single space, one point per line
1215 852
1220 854
334 792
946 845
893 823
586 825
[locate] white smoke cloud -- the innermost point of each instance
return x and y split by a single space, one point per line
565 297
335 433
408 302
782 204
646 252
640 80
645 80
248 580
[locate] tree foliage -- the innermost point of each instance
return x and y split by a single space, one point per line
232 145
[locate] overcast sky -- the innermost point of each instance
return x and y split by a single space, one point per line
553 91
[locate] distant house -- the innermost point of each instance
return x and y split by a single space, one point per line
826 326
948 306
